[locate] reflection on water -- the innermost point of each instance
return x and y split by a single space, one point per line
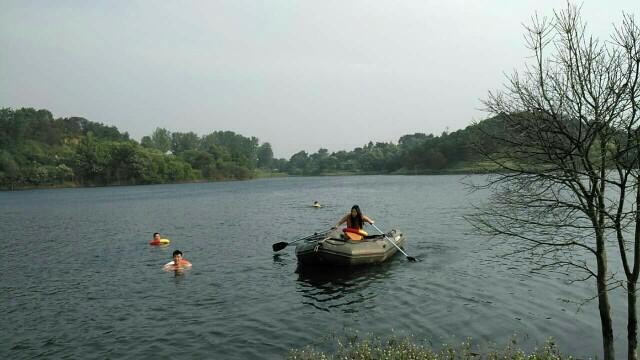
320 275
178 274
327 288
278 259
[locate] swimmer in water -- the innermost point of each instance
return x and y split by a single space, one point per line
178 262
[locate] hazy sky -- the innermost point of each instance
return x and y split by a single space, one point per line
298 74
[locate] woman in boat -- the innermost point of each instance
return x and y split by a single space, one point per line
355 219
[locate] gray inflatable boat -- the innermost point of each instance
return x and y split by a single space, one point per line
333 249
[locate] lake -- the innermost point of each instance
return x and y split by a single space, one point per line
80 280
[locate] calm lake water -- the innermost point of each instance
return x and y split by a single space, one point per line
79 280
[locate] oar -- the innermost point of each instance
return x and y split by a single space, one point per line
283 244
410 258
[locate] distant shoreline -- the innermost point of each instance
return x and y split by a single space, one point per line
71 185
51 153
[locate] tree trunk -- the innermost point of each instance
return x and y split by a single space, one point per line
603 302
632 322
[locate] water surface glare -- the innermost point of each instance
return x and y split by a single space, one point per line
79 280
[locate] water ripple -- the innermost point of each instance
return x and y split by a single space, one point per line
87 285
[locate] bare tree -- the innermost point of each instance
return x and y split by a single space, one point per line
566 141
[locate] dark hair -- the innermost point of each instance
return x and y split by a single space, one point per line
177 252
356 221
156 233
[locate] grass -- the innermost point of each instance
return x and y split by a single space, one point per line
406 348
262 174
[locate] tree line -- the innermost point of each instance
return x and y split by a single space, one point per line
417 153
37 149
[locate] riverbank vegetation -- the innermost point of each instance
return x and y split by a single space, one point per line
38 150
404 348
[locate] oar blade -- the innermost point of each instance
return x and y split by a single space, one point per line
279 246
411 259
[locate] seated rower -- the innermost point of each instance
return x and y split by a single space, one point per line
355 220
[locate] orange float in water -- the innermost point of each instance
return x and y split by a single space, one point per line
182 265
160 242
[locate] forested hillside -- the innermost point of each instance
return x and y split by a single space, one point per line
418 153
37 149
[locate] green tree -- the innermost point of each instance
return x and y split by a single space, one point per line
243 151
90 160
125 164
220 153
9 170
181 142
298 163
408 142
64 173
160 140
265 156
280 165
12 129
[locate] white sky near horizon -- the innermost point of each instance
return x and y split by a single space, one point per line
299 74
